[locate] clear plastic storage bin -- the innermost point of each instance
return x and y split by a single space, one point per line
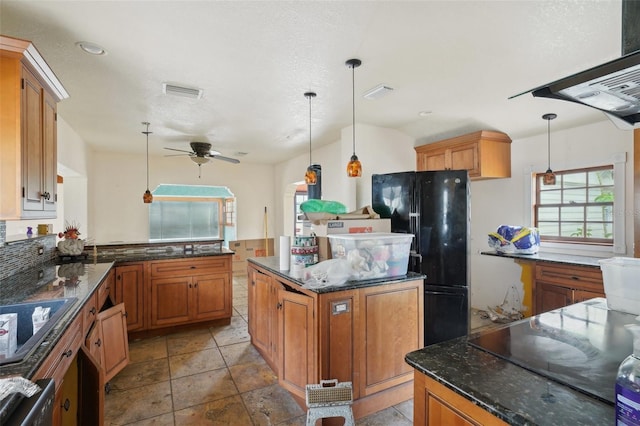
620 276
373 255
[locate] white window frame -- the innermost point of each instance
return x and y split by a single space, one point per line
618 160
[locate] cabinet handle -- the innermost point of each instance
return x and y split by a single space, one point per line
93 310
68 353
195 285
573 277
98 343
279 305
45 195
66 405
193 267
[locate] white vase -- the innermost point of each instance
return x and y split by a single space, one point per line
71 247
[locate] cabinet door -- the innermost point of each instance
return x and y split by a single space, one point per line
169 301
297 357
262 313
390 326
550 297
211 297
32 148
434 161
465 157
129 290
50 153
115 344
440 413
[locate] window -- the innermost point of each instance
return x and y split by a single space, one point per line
183 212
578 208
185 219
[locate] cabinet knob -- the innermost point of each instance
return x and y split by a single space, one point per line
66 405
67 354
93 310
45 195
279 305
98 343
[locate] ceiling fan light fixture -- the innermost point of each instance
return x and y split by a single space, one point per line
549 178
147 197
354 167
310 177
199 160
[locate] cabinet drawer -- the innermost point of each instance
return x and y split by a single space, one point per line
60 358
190 267
89 312
106 288
570 276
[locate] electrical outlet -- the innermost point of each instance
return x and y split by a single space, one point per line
40 250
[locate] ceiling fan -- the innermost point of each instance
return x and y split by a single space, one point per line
201 153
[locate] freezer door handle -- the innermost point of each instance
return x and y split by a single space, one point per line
415 261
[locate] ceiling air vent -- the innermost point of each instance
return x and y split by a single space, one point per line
187 92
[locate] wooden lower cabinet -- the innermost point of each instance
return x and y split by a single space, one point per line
296 339
436 405
80 371
560 285
129 289
358 335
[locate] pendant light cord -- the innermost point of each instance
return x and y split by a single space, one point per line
353 104
549 116
147 133
310 96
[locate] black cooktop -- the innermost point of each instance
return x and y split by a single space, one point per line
580 346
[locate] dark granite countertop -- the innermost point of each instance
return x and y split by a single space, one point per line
272 264
126 256
550 257
517 395
43 283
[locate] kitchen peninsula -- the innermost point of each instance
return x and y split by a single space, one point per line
358 332
557 368
112 292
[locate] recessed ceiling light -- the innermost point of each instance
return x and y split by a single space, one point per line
91 48
424 113
377 92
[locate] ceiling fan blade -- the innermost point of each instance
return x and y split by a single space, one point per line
180 150
179 155
223 158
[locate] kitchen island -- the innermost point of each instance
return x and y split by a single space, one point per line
557 368
357 332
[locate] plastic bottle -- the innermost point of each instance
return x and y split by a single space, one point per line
628 384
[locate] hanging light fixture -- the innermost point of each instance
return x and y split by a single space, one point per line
549 177
354 168
310 177
147 197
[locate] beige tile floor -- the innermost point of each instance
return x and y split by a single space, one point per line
211 376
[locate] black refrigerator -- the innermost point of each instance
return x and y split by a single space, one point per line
434 206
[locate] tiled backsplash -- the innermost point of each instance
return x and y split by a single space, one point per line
18 256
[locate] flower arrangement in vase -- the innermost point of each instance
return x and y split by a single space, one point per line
71 245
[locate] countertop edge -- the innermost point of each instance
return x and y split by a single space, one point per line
272 265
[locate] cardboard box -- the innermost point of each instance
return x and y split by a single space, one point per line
324 248
245 249
351 226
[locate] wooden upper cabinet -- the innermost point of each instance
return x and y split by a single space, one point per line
485 154
28 132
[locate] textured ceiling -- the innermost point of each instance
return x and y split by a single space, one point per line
458 60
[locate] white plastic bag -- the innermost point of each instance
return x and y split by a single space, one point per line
332 272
